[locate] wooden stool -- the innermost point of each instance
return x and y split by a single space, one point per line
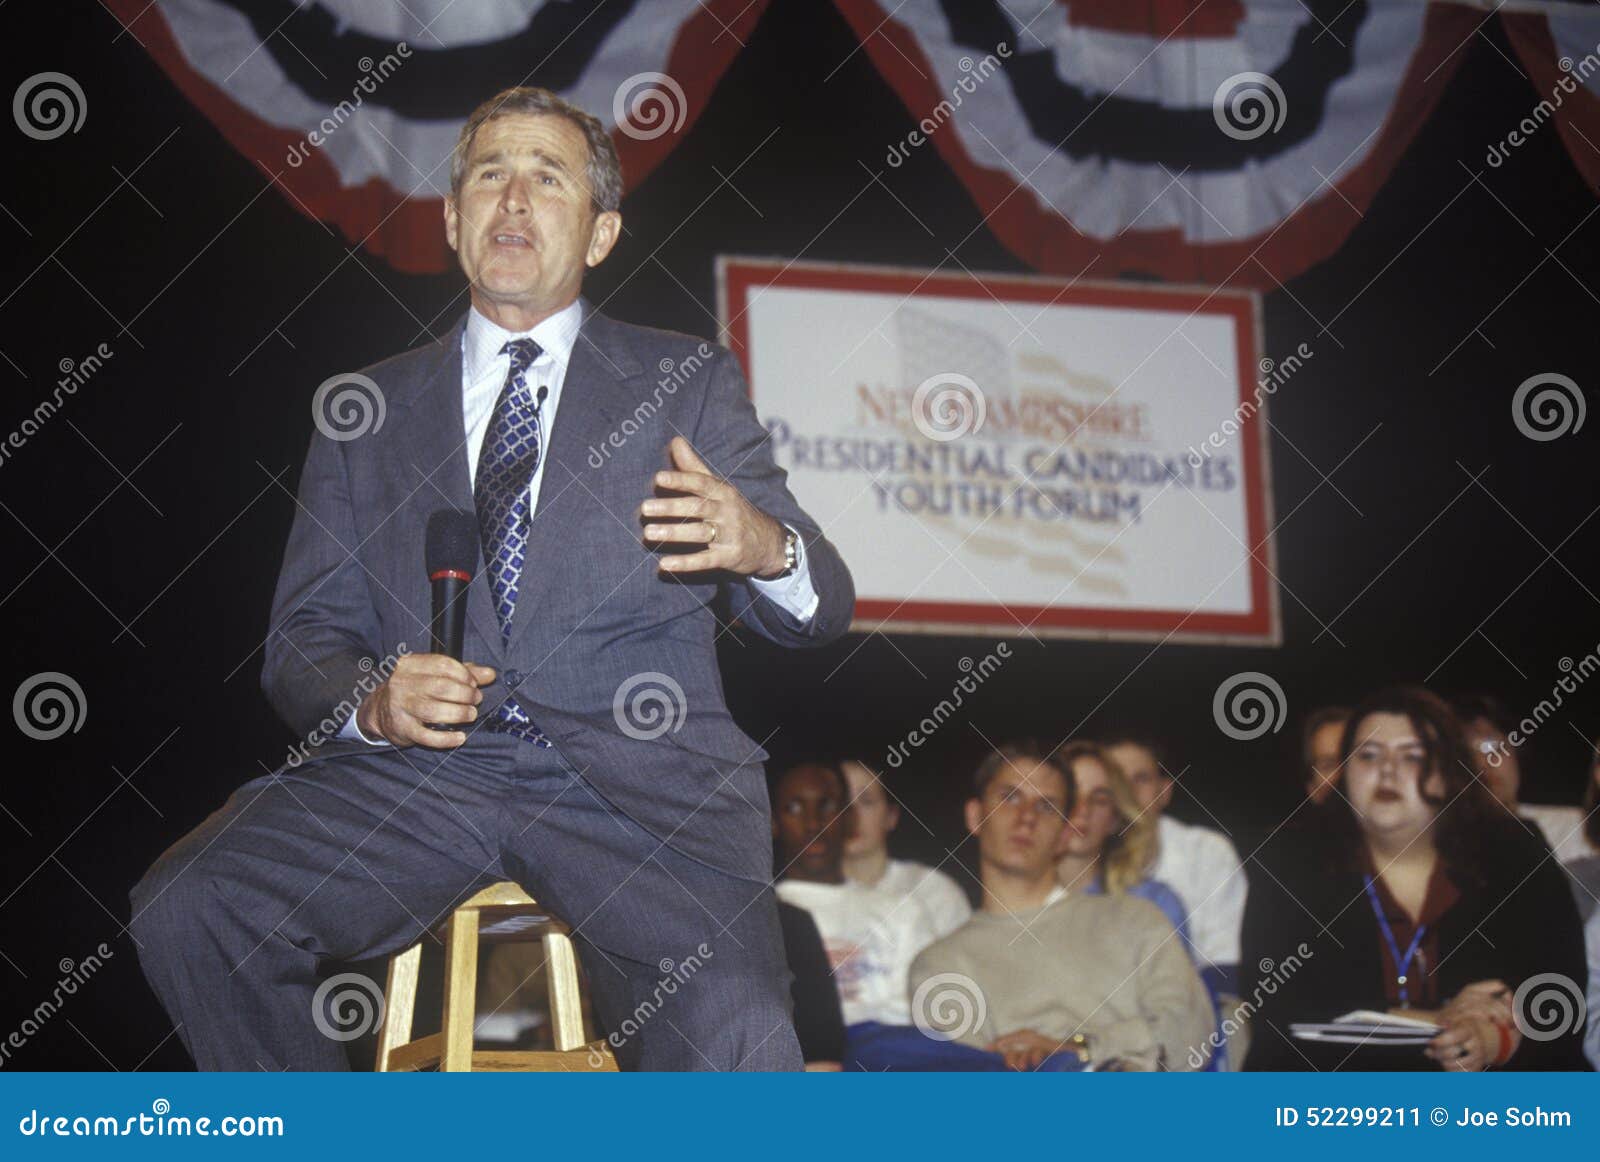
499 911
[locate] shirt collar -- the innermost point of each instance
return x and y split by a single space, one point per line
484 338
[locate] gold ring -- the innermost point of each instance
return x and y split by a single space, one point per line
714 530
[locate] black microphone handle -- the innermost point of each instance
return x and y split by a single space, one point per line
449 625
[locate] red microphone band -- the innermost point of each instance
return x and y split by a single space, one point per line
458 574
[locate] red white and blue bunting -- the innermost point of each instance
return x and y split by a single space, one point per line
1219 142
354 106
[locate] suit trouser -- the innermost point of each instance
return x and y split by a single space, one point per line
355 856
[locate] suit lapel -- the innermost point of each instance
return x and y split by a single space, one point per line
436 456
593 403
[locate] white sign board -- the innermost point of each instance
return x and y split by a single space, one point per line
1001 455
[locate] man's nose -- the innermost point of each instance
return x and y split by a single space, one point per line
515 198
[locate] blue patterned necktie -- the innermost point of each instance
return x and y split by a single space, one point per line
506 464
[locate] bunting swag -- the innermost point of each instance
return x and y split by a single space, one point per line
1230 142
1561 50
1209 141
354 107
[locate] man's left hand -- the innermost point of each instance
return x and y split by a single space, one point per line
735 534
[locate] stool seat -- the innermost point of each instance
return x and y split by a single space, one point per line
503 912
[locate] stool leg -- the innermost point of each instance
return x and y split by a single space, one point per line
400 1003
566 1004
460 992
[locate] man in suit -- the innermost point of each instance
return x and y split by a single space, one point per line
621 483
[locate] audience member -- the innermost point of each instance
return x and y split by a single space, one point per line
1438 906
873 815
1196 862
871 936
1584 871
1054 975
1591 1044
1109 844
1499 765
1319 751
818 1019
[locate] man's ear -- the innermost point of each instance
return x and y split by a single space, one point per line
974 815
452 222
893 815
603 236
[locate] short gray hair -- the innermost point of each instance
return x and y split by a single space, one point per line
604 171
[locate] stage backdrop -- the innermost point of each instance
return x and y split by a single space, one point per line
999 454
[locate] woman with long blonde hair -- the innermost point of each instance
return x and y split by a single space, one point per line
1109 844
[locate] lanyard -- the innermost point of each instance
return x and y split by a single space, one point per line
1401 967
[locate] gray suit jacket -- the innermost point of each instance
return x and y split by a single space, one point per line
593 614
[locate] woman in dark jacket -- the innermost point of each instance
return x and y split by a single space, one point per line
1427 900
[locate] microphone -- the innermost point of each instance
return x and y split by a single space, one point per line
451 555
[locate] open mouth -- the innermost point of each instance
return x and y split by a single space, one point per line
512 240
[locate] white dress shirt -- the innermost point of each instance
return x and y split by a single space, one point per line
483 376
1562 828
1203 868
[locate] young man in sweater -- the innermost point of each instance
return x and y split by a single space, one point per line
1046 972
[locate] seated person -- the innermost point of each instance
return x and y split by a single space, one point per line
1437 905
871 936
1591 1042
1320 735
1573 833
1109 844
1196 862
1052 974
1585 870
818 1021
873 815
1299 826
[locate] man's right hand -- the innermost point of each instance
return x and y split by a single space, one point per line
424 688
1025 1049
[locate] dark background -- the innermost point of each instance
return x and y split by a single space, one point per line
145 523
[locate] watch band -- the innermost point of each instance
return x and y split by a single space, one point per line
791 553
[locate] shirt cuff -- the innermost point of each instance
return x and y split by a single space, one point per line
793 594
353 732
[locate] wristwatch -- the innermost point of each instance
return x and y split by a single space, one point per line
791 554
